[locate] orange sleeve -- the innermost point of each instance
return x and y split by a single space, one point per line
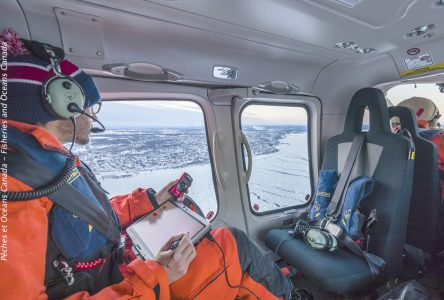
146 280
23 246
24 232
130 207
438 140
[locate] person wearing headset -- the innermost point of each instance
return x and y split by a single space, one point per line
427 118
65 240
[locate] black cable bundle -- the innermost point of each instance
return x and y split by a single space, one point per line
62 179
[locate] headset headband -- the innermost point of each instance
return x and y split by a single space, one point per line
60 93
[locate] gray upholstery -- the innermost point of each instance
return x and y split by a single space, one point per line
422 228
342 272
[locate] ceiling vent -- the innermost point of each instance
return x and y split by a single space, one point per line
421 31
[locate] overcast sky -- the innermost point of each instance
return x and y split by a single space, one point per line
139 114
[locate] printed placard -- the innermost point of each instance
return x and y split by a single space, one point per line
418 61
224 72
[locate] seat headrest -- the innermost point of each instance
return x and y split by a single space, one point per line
406 117
375 100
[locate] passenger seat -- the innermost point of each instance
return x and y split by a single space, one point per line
386 156
425 205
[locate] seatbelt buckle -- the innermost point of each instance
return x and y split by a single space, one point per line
372 219
329 225
411 154
323 222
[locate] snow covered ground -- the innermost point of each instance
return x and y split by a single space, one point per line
202 189
282 178
128 159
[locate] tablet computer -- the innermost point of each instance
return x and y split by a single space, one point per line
151 232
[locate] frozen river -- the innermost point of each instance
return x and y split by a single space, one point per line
125 160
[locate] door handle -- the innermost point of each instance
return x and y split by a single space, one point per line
244 142
215 145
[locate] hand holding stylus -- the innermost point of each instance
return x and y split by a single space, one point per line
177 261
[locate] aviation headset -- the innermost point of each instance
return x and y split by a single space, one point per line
320 240
62 96
315 237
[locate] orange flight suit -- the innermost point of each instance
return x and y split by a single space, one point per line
22 275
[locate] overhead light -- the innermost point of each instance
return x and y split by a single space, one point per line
345 45
364 51
421 30
353 46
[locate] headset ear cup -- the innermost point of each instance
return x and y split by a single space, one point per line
46 100
58 93
332 242
321 240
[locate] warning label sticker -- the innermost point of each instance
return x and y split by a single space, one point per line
418 61
422 70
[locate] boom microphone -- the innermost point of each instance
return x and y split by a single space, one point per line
97 130
72 107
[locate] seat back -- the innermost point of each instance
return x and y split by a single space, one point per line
385 159
422 226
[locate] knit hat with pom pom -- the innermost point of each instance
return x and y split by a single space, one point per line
26 74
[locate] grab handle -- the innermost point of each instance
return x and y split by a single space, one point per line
215 145
244 141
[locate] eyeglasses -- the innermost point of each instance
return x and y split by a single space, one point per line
95 109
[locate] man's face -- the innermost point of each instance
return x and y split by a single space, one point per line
83 128
63 129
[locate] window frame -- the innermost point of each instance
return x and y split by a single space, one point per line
309 144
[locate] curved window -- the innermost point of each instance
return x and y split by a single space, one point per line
279 141
149 144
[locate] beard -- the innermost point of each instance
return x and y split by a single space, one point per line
83 130
82 139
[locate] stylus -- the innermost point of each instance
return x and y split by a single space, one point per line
175 244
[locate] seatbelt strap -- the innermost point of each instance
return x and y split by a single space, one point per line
375 263
27 170
335 207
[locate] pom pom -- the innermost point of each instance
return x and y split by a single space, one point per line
15 45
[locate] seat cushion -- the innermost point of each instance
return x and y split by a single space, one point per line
340 272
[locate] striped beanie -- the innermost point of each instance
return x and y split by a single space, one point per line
26 74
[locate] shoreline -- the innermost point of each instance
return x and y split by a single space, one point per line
273 165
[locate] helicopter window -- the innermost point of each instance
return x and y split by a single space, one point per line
278 136
155 144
